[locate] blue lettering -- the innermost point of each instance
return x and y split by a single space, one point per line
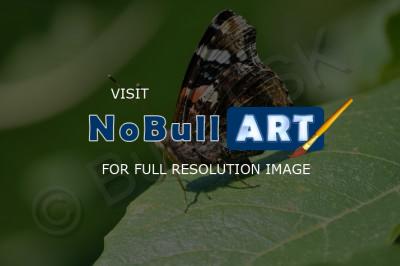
106 129
129 132
181 132
154 128
214 128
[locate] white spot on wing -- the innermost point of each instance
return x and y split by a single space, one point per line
221 56
210 95
241 55
224 57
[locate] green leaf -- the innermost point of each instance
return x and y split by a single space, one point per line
350 202
383 256
392 68
394 237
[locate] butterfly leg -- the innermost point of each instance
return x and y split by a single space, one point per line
165 166
241 180
163 176
181 185
194 201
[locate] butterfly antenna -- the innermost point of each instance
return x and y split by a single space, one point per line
114 80
110 77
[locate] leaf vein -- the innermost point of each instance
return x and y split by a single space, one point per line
324 224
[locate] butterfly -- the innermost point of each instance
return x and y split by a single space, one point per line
224 71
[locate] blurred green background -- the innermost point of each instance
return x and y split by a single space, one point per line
54 61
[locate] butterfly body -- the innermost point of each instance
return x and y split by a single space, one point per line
224 71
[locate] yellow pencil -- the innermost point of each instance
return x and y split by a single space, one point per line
325 126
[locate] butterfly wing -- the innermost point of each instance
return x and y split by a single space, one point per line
226 71
227 41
